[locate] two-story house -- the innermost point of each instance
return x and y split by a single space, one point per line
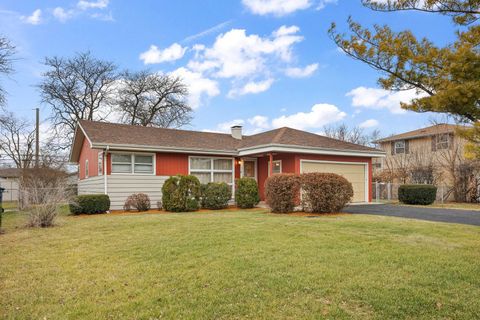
437 147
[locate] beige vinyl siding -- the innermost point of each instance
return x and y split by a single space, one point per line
120 186
355 173
92 185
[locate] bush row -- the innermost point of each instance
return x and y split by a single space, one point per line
179 194
320 192
185 193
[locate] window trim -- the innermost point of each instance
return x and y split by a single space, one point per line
132 159
438 142
100 163
268 166
212 170
87 171
404 146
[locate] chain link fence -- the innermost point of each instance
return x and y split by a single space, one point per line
388 192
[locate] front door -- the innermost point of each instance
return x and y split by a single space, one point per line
249 169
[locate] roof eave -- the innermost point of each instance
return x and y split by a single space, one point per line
130 147
308 150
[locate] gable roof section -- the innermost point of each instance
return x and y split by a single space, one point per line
423 132
293 137
128 137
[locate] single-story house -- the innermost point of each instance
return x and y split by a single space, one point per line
119 159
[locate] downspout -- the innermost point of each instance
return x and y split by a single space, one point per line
105 171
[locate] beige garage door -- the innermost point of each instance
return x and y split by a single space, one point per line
355 173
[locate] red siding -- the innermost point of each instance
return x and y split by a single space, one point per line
170 164
91 155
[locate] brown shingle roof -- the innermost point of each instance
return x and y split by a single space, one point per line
114 133
294 137
10 173
104 133
423 132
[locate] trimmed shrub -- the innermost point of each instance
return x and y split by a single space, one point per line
215 195
325 192
90 204
423 194
246 193
181 194
138 201
282 191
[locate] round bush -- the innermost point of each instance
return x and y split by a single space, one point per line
138 201
282 191
181 194
215 195
325 192
423 194
246 193
90 204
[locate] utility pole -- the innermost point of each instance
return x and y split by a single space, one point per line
37 137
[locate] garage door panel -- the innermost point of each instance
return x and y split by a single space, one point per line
355 173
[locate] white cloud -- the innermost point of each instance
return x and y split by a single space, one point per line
238 55
375 98
302 72
99 4
35 18
259 122
323 3
276 7
226 126
198 86
370 123
62 15
251 87
156 55
321 114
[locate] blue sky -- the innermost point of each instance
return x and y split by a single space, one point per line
260 63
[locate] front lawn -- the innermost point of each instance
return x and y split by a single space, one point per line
239 264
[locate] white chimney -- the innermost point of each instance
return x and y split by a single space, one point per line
237 132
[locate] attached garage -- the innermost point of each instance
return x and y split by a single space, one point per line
355 172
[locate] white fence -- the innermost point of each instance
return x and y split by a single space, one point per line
388 192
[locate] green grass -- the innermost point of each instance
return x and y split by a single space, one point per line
243 264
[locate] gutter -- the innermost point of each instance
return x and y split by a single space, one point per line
105 171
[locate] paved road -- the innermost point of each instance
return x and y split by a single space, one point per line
470 217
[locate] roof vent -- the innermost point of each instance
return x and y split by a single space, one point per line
237 132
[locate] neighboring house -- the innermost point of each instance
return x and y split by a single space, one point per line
119 160
9 179
437 145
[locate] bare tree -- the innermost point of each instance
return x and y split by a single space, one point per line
17 140
78 88
153 100
354 135
7 50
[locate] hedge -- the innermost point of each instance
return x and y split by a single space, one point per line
215 195
422 194
181 194
90 204
282 191
138 201
325 192
246 193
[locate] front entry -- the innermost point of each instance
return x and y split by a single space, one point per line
249 168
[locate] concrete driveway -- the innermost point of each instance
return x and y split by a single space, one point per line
470 217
